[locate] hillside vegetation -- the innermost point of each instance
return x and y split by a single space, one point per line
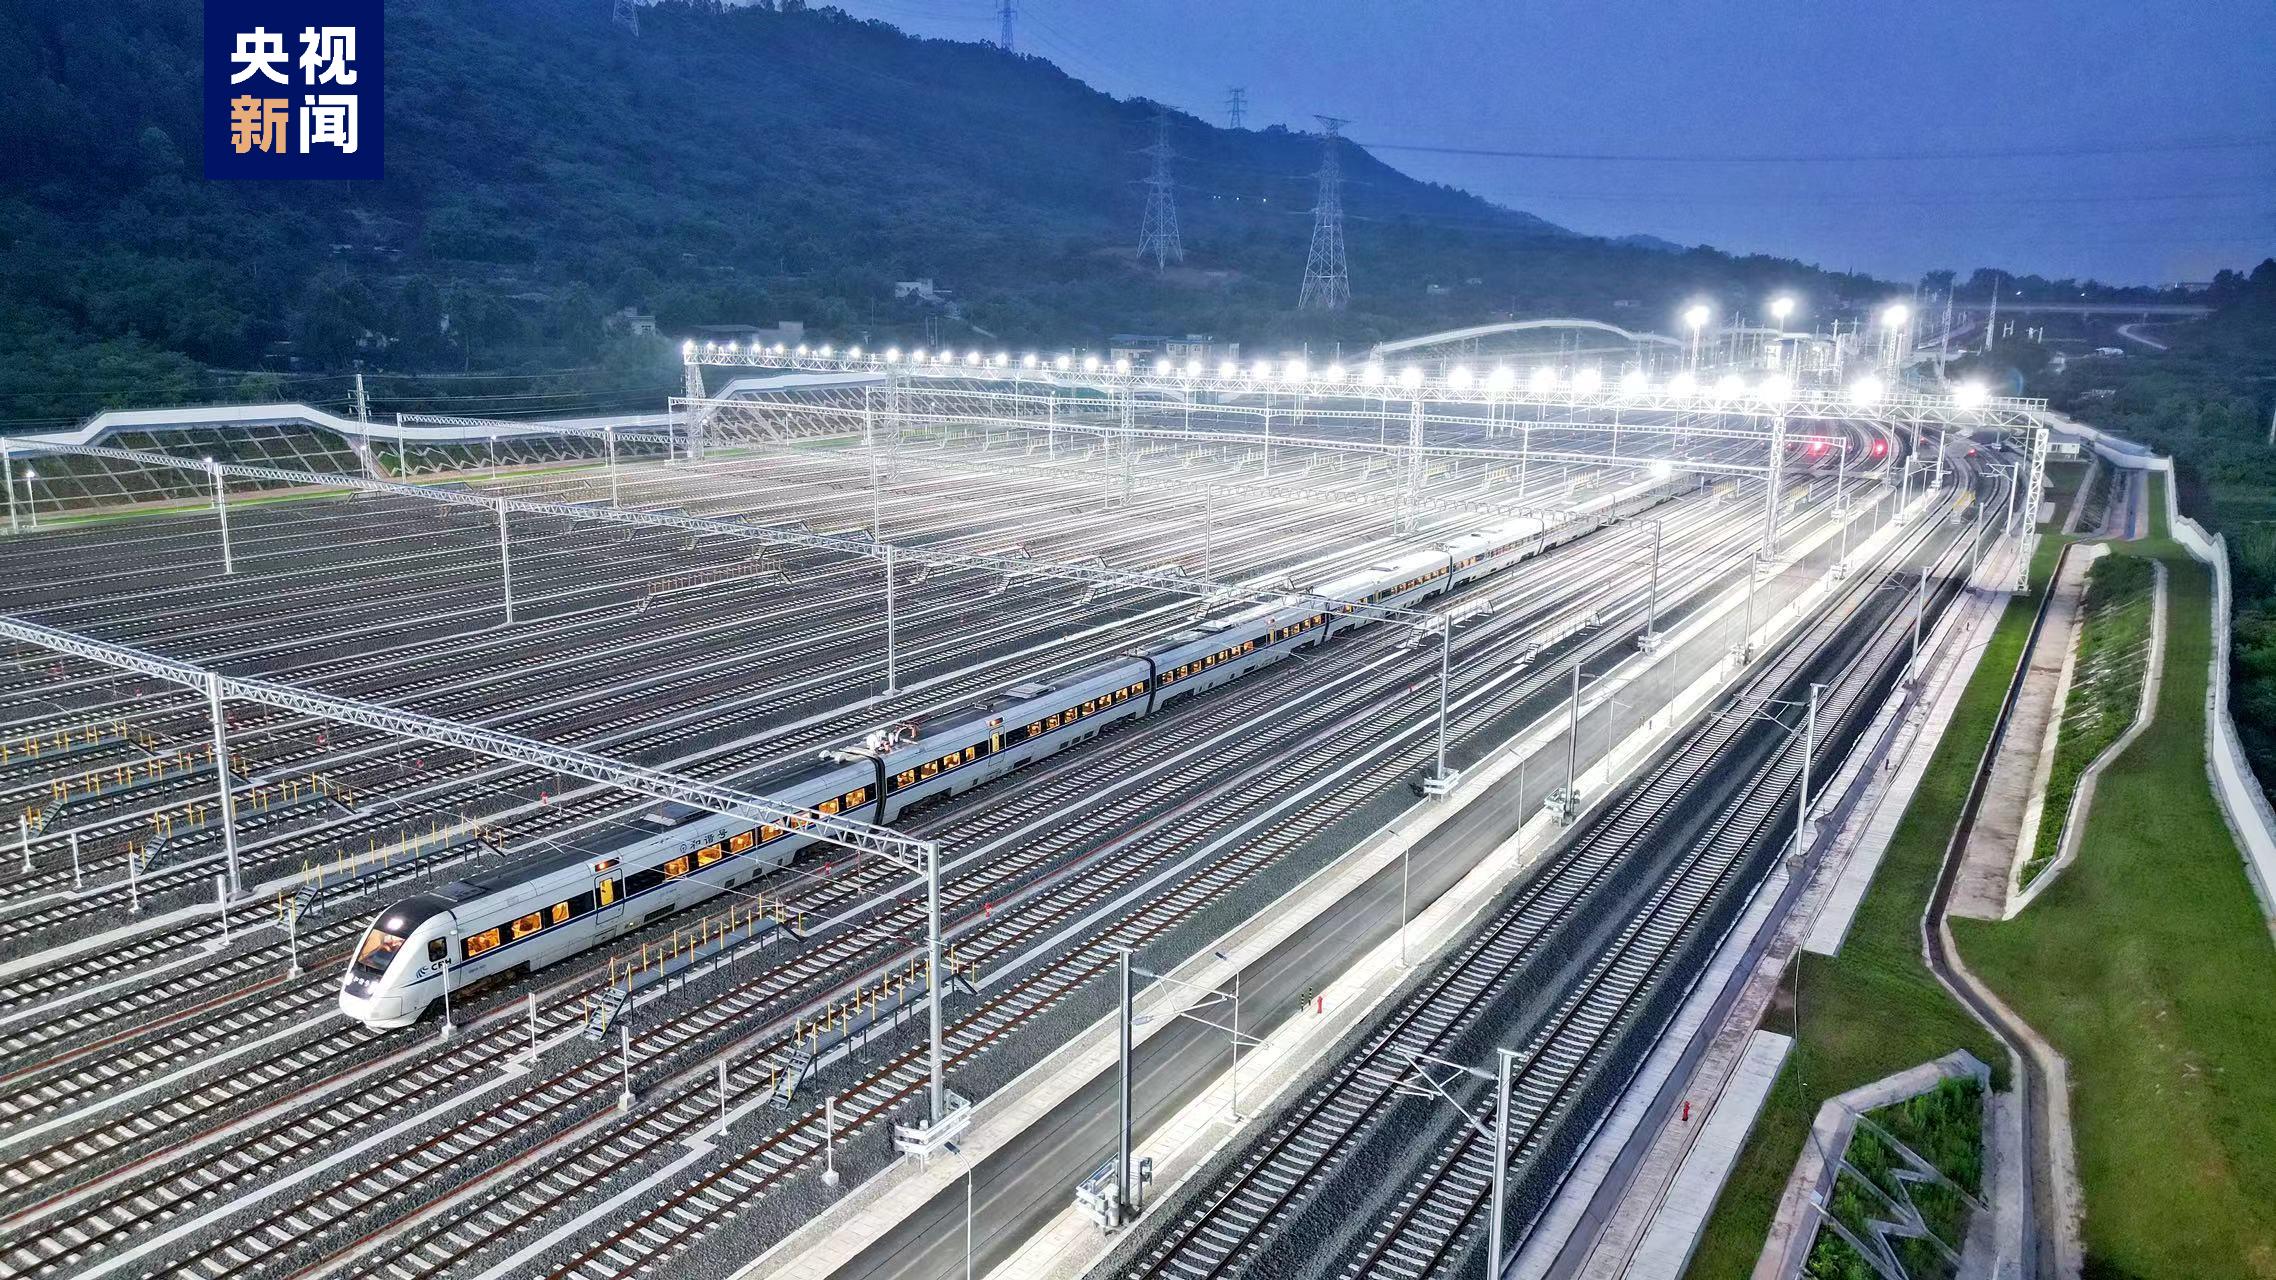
738 166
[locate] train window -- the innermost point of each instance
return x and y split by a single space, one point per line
607 891
971 754
709 854
857 796
378 950
1089 705
743 841
437 948
930 769
826 808
676 867
1035 730
558 913
769 832
526 926
906 778
479 943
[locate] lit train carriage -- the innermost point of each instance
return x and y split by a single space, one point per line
1493 548
541 909
1224 648
1403 580
990 739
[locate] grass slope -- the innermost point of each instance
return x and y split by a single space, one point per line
2150 968
2105 690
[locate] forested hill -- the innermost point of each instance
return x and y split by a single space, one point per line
739 165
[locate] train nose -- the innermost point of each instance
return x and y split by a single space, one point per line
377 1011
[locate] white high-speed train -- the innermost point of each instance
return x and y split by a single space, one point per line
547 907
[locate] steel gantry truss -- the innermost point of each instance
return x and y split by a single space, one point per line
1332 444
568 761
921 857
1090 574
1371 381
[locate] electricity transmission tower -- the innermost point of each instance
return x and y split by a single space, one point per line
1236 107
625 14
1158 231
1004 12
1327 279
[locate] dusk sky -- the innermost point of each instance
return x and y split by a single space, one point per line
2095 138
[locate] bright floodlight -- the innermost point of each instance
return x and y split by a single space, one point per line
1333 373
1730 387
1458 377
688 348
1662 470
1410 376
802 348
1696 314
1781 308
1122 365
853 353
1294 370
1777 388
1897 315
1090 364
1683 384
1587 381
1062 362
1970 395
1542 379
1502 378
1866 390
1633 382
1193 368
1227 369
1371 375
1029 361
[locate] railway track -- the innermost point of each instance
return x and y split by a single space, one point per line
224 1174
1538 936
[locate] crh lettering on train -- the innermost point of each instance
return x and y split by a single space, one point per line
293 89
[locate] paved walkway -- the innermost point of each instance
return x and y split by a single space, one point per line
2007 825
1667 1246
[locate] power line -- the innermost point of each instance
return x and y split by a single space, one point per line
1236 107
1859 157
1158 230
625 15
1327 276
1004 13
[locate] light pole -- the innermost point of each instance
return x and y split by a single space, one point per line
1780 308
1695 315
32 498
221 511
449 1026
1894 320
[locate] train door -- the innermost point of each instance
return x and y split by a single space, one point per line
608 894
